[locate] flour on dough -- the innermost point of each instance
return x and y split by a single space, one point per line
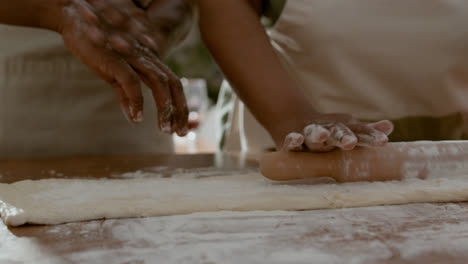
55 201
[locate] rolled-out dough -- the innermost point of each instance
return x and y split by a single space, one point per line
55 201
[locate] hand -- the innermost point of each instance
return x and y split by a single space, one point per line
114 38
329 131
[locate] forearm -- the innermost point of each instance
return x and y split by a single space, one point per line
173 19
31 13
237 40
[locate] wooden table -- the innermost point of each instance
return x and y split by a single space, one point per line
417 233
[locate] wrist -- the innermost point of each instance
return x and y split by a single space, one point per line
292 121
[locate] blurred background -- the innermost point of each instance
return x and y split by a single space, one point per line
202 80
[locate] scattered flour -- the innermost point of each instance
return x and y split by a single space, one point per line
390 234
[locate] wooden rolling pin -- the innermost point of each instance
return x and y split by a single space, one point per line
395 161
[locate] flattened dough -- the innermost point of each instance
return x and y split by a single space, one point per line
56 201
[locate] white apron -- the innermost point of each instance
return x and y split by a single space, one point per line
53 105
375 59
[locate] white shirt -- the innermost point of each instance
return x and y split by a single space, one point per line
375 59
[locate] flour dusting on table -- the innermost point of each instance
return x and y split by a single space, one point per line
431 233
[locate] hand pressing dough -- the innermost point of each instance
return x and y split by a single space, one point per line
55 201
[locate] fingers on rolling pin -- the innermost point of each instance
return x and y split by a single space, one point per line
343 137
316 137
369 137
383 126
293 142
316 133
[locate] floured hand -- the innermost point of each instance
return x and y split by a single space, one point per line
329 131
115 39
